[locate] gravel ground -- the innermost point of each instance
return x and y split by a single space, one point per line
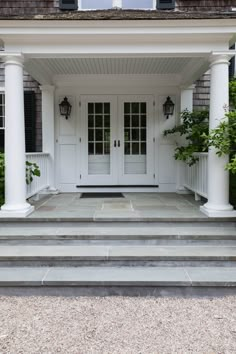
132 325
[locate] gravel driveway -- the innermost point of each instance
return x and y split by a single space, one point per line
132 325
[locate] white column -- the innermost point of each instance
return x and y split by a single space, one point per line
15 184
48 130
186 102
218 178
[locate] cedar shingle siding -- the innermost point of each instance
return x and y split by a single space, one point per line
205 5
28 7
36 7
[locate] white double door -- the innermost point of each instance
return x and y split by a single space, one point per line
117 140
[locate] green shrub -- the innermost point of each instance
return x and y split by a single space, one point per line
31 170
194 127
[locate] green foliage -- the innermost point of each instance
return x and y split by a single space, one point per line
223 137
199 139
232 93
194 127
31 170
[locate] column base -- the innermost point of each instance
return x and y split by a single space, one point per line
213 213
20 211
183 190
51 190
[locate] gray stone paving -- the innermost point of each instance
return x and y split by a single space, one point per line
135 206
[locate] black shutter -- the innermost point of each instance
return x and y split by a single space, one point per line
68 4
2 131
165 4
232 65
30 116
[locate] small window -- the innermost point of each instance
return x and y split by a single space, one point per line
165 4
137 4
96 5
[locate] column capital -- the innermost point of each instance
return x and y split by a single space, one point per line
13 59
49 88
216 59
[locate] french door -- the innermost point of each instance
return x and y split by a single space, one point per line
117 140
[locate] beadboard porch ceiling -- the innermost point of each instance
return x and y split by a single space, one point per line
44 70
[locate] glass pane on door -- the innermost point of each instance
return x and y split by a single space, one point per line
135 137
99 138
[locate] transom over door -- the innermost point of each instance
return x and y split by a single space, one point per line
117 141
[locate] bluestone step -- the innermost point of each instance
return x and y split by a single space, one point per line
114 231
106 253
122 276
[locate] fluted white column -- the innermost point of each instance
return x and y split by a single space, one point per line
218 178
15 185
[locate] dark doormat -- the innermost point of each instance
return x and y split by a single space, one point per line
102 195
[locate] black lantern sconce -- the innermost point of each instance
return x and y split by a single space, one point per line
168 107
65 108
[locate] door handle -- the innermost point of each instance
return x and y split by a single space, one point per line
118 143
114 143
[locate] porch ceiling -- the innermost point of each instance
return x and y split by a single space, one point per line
45 69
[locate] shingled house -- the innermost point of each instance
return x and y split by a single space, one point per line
96 75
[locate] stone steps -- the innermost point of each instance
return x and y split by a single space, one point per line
122 276
121 231
51 253
153 254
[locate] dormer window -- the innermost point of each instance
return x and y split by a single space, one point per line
122 4
111 4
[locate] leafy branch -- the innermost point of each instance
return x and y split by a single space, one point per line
194 127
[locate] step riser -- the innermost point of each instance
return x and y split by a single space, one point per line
28 223
167 242
117 263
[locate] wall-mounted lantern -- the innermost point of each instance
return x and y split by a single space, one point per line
65 108
168 107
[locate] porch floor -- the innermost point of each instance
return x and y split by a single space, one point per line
135 206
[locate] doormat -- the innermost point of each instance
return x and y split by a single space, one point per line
102 195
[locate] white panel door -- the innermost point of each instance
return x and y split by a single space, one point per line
136 155
97 136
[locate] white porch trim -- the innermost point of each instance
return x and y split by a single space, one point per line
48 132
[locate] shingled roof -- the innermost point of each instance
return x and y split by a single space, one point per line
130 15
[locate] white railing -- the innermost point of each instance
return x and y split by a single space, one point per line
196 175
38 183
